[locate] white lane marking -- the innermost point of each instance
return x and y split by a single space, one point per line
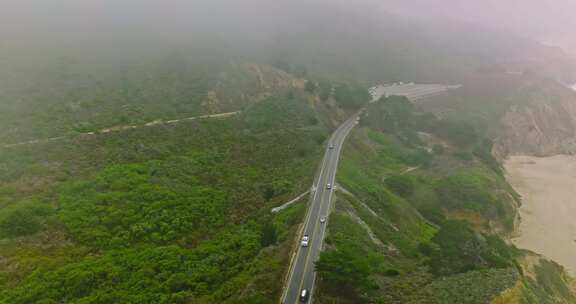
346 127
306 222
311 251
323 230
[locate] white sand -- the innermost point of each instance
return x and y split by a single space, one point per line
548 212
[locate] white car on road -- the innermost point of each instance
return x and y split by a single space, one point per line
304 296
304 241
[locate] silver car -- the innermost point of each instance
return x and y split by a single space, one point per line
305 241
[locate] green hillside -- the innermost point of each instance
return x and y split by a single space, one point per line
117 186
427 218
169 213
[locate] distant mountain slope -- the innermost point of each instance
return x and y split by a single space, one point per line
68 96
371 45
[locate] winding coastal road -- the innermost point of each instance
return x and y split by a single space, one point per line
302 273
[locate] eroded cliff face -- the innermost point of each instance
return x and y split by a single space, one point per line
541 121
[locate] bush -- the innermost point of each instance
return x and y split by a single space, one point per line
402 185
129 204
18 222
460 249
310 86
351 97
484 153
463 155
438 149
458 132
417 157
344 269
279 112
391 273
24 218
391 114
268 234
142 275
469 189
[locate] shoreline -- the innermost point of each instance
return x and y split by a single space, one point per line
547 215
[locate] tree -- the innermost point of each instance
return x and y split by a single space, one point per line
268 234
344 268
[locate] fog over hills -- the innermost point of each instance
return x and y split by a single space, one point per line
84 21
258 151
547 21
362 37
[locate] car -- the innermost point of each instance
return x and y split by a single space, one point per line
304 296
305 241
323 219
328 186
331 146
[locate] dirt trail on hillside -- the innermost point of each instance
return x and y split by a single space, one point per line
122 128
548 212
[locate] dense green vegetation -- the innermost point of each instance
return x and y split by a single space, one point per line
350 97
474 287
128 205
23 219
66 97
432 226
145 275
397 115
457 248
346 270
548 284
179 213
471 189
173 213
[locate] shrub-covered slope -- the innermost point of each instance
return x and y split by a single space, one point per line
427 218
168 213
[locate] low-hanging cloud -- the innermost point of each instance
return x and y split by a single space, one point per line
69 24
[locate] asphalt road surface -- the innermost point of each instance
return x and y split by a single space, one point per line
411 91
302 275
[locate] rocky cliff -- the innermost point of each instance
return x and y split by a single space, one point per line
541 121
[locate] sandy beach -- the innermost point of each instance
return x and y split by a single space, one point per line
548 213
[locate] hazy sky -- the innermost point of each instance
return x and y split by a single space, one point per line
62 21
543 19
